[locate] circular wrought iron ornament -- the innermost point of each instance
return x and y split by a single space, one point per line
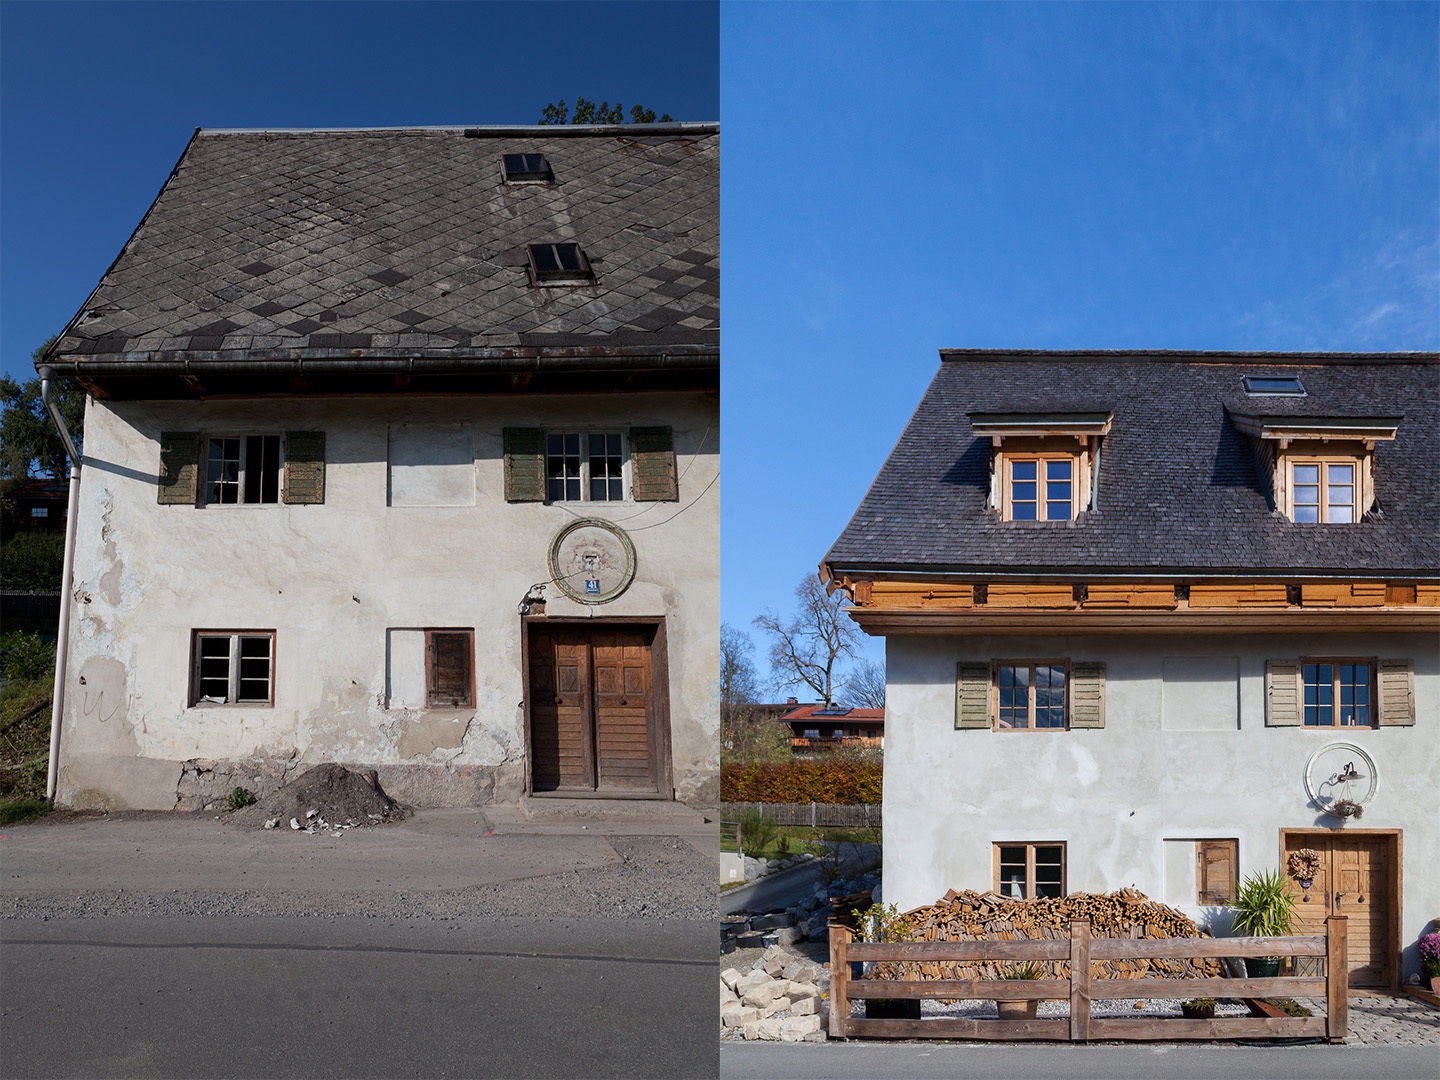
592 561
1340 776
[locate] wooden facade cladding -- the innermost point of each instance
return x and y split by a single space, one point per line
898 605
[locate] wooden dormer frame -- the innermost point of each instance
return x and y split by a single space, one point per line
1040 437
1280 441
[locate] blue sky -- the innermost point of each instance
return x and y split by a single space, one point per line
901 178
97 100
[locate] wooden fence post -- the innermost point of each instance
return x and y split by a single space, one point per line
839 979
1080 981
1337 979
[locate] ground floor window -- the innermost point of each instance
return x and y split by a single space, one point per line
1027 871
450 669
233 667
1215 871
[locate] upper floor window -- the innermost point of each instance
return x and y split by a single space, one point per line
242 469
1031 695
1337 692
584 466
1278 385
1040 488
1323 490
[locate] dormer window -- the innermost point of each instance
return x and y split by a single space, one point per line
559 264
1320 470
526 169
1323 490
1043 464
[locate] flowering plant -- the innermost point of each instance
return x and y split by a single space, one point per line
1430 955
1304 863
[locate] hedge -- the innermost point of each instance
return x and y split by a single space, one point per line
805 781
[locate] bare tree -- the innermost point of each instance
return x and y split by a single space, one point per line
807 647
739 681
865 686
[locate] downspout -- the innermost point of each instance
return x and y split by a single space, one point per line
62 640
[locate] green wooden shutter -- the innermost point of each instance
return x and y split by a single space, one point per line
524 465
1396 683
179 468
972 695
652 464
305 467
1087 694
1282 693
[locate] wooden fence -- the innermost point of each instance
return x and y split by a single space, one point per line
815 815
1080 989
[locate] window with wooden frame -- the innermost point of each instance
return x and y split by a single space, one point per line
1027 871
1031 694
1324 490
1338 692
233 667
1039 487
450 669
584 466
242 469
1216 863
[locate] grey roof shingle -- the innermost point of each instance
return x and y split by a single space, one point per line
1179 489
270 242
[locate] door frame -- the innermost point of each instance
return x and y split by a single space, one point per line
659 703
1396 844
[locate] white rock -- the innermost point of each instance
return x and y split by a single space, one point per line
778 1005
815 1036
730 977
805 1006
311 813
738 1016
294 824
726 995
749 981
762 995
763 1029
799 1026
270 823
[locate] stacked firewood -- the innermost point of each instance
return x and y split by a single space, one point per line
972 916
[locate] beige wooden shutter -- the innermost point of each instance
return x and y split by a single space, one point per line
305 467
451 669
1215 871
1087 694
652 464
972 695
1396 679
1282 693
524 465
179 468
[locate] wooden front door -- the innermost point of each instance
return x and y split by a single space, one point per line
1358 878
593 710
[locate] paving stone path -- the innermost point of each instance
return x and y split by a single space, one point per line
1386 1020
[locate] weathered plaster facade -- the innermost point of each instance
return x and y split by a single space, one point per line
1185 754
343 585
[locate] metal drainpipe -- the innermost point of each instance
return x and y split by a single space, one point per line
62 641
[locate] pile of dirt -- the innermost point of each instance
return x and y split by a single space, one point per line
327 796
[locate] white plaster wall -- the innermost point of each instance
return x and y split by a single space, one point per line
333 579
1116 795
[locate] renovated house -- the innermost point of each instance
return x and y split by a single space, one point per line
402 451
821 728
1160 620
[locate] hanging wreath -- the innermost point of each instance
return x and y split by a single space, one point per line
1303 864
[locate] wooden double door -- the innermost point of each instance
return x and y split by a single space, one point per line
595 711
1359 877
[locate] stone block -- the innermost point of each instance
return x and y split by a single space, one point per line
805 1006
797 1027
762 995
730 977
788 935
746 983
778 1005
762 1029
815 1036
738 1016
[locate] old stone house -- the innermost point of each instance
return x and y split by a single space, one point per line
1160 620
402 451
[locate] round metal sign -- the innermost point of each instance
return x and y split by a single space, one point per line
1339 777
592 561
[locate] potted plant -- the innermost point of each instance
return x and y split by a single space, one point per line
883 922
1198 1009
1020 1010
1303 865
1430 960
1263 908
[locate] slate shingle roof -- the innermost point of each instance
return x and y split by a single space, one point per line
1179 489
406 242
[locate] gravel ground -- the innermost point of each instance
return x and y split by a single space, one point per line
657 877
1116 1007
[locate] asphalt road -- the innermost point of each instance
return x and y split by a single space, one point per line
456 944
911 1061
798 883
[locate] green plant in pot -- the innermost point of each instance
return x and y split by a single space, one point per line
1263 908
884 923
1198 1009
1020 1010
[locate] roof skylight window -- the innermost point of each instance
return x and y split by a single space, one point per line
1286 385
526 168
559 264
